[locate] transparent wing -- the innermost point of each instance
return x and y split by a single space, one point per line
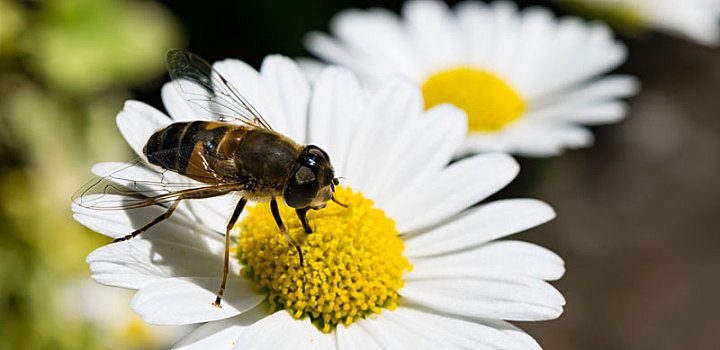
209 92
121 186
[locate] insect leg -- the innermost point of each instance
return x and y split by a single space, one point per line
152 223
231 223
338 202
301 213
180 195
278 220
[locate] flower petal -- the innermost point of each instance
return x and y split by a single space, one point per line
535 139
390 111
433 31
512 331
514 258
175 301
248 82
411 164
453 332
114 224
494 297
354 337
137 122
392 335
221 334
480 225
335 107
339 54
290 92
456 188
140 261
359 31
289 333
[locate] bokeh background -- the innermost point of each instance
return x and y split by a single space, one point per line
637 217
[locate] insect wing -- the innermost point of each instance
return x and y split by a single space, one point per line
121 186
208 92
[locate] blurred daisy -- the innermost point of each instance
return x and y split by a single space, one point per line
409 263
526 80
697 20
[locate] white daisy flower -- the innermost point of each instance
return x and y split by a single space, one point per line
697 20
411 263
526 80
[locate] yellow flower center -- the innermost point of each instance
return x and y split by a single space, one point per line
489 103
353 260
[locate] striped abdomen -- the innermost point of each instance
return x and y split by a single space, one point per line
189 148
215 153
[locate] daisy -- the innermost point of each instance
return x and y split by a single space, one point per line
526 80
697 20
410 263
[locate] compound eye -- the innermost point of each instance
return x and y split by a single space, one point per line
302 188
317 151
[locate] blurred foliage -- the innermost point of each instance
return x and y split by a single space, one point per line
65 69
622 16
12 21
87 45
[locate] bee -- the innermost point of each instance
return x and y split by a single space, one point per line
222 156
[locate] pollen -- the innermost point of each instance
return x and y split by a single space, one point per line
490 104
353 260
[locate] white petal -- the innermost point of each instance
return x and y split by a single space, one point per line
512 331
433 31
354 337
310 67
359 30
695 20
174 301
459 186
392 335
213 213
594 103
495 297
391 110
337 53
222 334
133 176
535 32
286 332
141 260
137 122
177 105
206 216
452 332
291 93
514 258
541 139
604 89
479 225
503 56
476 23
421 154
335 107
112 223
248 82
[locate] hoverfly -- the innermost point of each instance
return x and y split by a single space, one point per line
221 157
